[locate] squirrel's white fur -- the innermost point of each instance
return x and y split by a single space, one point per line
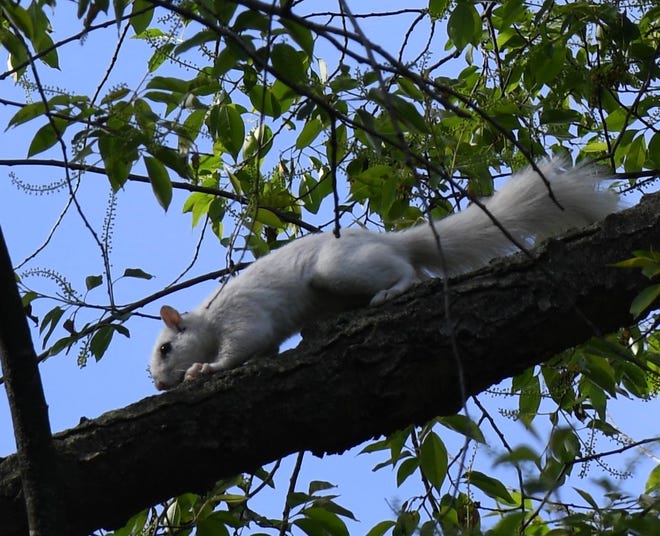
319 274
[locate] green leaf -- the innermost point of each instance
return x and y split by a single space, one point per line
318 520
596 396
50 320
519 381
169 83
211 526
604 427
381 528
290 63
319 485
565 445
376 446
21 18
230 128
312 193
117 157
599 371
252 19
225 60
654 150
343 83
140 21
517 455
115 95
93 281
558 116
546 63
510 524
464 25
232 498
267 217
327 504
433 459
265 101
198 204
258 142
160 55
196 41
463 425
595 146
191 129
587 497
367 120
309 133
410 88
27 113
635 154
337 147
644 300
633 262
28 298
648 261
17 52
297 498
438 8
160 181
122 330
138 273
635 380
46 137
529 401
406 523
43 43
618 119
406 468
61 344
134 525
171 158
301 35
149 34
653 481
408 114
101 340
489 485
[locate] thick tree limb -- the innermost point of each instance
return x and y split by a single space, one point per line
362 375
36 459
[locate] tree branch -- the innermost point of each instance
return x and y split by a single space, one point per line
41 482
364 374
134 177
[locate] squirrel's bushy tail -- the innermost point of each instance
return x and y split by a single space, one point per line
523 206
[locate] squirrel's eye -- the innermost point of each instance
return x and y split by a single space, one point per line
165 349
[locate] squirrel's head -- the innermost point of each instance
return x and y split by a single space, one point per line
186 339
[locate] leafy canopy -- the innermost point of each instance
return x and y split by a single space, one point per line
283 117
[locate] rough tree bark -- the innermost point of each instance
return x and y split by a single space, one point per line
359 376
37 458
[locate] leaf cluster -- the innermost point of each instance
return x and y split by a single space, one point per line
274 117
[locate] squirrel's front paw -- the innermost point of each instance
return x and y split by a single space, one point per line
201 368
196 369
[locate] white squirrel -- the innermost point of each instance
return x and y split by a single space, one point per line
314 275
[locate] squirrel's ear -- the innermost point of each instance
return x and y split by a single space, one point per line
170 316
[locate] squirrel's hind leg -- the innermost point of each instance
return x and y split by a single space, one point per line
373 270
408 279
